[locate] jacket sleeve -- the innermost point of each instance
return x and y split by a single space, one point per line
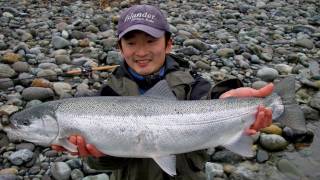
106 162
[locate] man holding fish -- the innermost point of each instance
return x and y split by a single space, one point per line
145 44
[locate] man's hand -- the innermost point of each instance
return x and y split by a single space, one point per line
264 115
84 149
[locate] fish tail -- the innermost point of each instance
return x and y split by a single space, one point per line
292 116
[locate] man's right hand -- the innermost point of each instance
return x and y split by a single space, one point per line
84 149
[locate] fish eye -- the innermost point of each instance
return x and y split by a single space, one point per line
25 122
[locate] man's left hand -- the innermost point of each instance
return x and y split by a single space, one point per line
264 115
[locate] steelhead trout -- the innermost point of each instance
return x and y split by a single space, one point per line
154 125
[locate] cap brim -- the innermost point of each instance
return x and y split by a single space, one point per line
147 29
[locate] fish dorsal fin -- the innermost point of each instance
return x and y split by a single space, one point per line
241 145
160 90
167 164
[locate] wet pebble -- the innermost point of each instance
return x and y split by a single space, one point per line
60 171
213 170
273 142
21 156
267 74
39 93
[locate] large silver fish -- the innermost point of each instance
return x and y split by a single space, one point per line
155 125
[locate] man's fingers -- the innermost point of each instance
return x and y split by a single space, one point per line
81 146
264 91
94 151
250 132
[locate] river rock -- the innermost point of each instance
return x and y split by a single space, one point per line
47 74
21 66
61 88
39 93
11 58
11 171
214 170
196 43
6 83
76 174
114 57
305 43
62 59
310 113
8 109
21 156
6 71
272 129
315 101
286 167
273 142
262 156
59 42
267 74
225 52
60 171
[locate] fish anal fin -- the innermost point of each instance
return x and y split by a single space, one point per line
241 145
167 164
64 142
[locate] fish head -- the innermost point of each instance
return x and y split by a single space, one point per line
36 124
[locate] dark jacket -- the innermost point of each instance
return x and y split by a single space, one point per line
186 85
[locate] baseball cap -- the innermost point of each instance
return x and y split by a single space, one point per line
146 18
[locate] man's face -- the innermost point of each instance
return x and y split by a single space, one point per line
144 53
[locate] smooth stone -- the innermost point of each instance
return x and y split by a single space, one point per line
59 42
310 113
242 173
6 83
6 71
273 142
83 91
258 84
266 56
109 44
32 93
272 129
62 59
267 74
47 65
40 82
315 101
34 170
283 69
60 171
4 140
188 51
21 156
3 45
226 156
213 170
25 78
21 66
113 58
225 52
8 171
76 174
8 109
303 28
202 65
60 88
196 43
11 58
305 43
74 163
262 156
48 74
8 177
84 42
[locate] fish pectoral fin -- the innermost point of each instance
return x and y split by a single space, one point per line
167 164
241 145
64 142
